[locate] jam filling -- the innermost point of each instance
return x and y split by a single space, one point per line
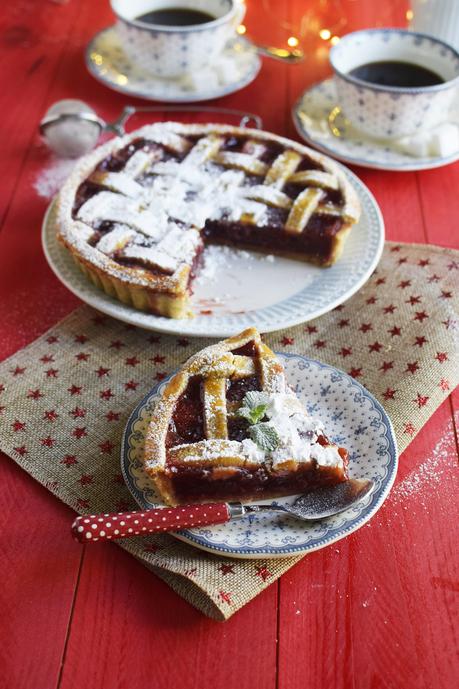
187 422
201 484
316 241
237 388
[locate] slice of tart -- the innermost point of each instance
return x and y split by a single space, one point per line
228 427
137 213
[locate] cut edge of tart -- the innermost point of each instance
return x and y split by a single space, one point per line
137 213
228 427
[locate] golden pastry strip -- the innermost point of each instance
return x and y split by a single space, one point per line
304 206
282 168
215 408
315 178
241 161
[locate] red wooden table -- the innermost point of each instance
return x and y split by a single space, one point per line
376 611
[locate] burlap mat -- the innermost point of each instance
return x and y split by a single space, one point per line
65 398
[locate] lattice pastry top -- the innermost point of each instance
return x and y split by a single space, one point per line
230 406
140 207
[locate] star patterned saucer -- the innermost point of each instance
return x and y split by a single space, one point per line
237 67
359 423
311 115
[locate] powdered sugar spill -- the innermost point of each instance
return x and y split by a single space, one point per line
51 178
429 474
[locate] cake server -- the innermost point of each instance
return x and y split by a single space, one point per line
317 504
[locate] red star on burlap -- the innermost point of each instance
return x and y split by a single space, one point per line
21 450
389 309
225 596
112 416
421 400
262 572
441 356
78 413
371 300
82 356
445 294
345 351
47 359
117 344
343 323
183 342
423 262
131 385
413 300
52 339
404 284
160 376
81 339
395 331
226 569
154 339
286 341
106 394
48 441
158 359
80 432
18 371
310 329
106 447
75 389
82 503
85 479
386 366
50 415
420 341
69 460
389 394
52 373
444 384
355 372
365 327
18 426
412 367
132 361
34 394
102 371
409 429
420 316
433 278
375 347
319 344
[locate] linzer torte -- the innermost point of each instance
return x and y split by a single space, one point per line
228 427
137 213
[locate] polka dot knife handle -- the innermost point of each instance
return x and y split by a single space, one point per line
102 527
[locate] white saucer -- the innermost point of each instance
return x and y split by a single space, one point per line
106 60
310 116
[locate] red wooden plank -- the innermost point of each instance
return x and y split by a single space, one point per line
38 568
131 630
33 37
376 610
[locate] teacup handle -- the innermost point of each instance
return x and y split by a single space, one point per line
245 118
239 12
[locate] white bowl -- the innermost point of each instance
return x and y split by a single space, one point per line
172 51
389 112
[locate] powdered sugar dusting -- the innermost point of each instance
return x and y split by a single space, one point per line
50 179
428 475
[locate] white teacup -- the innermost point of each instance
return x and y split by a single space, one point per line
390 112
172 51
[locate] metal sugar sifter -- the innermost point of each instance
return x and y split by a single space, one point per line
71 128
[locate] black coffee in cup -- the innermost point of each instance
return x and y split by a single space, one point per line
176 16
396 73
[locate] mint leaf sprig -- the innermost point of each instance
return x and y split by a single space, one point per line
253 410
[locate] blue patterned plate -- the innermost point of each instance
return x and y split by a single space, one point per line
356 420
